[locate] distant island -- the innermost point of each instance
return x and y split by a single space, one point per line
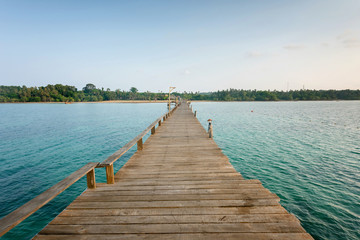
65 93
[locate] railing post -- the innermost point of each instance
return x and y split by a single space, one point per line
210 128
163 118
90 177
140 144
153 130
159 123
110 178
195 114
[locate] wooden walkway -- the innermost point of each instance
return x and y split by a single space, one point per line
180 186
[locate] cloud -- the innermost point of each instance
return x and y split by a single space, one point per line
187 72
254 54
325 44
351 43
345 34
293 47
349 39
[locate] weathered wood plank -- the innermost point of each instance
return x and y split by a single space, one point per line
276 209
174 197
174 219
172 182
178 192
179 186
190 203
191 219
126 147
183 236
175 228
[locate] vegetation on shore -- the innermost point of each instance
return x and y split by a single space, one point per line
65 93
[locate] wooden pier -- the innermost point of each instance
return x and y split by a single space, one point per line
178 185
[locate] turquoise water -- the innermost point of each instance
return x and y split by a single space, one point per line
43 143
306 152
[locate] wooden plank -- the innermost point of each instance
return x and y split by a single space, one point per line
189 171
276 209
176 187
179 186
178 192
174 197
191 219
180 176
115 156
17 216
153 182
174 228
182 236
191 203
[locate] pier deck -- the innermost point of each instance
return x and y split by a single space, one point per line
180 186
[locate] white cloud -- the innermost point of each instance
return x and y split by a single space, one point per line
349 39
345 34
187 72
254 54
293 47
325 44
351 42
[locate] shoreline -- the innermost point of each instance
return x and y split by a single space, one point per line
110 101
165 101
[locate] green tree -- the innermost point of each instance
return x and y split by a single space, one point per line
89 88
133 90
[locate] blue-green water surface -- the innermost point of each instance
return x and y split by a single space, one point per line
308 153
43 143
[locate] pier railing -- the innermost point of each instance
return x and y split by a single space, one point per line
17 216
108 163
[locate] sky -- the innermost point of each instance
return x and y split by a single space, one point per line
191 45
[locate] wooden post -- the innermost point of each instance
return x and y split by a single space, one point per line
210 128
140 145
169 99
170 89
195 114
164 119
159 123
90 177
211 132
110 178
153 130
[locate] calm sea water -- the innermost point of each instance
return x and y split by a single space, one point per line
43 143
306 152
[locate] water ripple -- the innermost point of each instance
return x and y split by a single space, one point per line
305 152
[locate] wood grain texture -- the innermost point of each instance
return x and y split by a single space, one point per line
110 178
90 179
179 186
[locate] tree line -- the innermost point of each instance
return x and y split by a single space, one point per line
65 93
292 95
